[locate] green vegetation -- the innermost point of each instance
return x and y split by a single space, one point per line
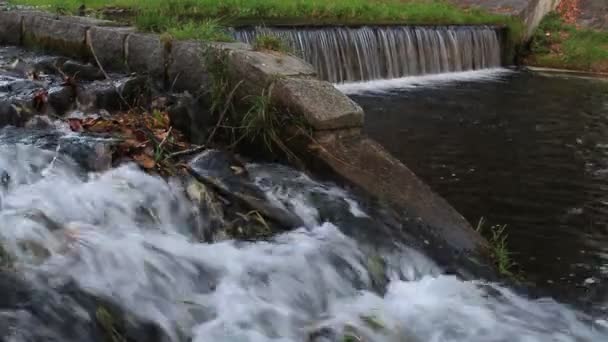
161 15
560 45
497 237
268 42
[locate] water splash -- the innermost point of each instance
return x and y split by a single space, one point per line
342 54
125 236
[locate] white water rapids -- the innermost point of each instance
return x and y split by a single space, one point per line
127 236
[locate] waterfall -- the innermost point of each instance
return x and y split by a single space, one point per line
342 54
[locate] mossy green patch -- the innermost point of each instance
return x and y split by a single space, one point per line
559 45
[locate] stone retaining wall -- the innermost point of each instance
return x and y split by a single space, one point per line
335 119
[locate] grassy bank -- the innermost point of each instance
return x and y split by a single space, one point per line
167 15
560 45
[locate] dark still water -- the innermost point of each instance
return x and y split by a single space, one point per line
521 149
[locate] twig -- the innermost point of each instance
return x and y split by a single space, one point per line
95 56
224 111
165 138
186 152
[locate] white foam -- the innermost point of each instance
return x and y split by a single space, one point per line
380 86
126 241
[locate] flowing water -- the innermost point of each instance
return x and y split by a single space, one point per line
121 255
127 237
522 149
343 54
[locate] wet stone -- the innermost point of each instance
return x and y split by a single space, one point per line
79 71
62 99
228 176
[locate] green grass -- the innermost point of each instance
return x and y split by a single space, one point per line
268 42
208 30
557 44
497 238
160 15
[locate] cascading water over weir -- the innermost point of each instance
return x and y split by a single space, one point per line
342 54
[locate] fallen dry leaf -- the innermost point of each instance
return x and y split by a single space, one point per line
144 161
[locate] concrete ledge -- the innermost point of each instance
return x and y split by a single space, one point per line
186 70
109 46
10 28
146 53
260 69
365 163
60 36
322 105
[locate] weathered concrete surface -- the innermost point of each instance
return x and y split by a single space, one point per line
259 69
530 11
186 70
10 28
108 43
146 53
52 34
294 88
319 102
363 162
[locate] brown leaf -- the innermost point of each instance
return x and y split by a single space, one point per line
145 161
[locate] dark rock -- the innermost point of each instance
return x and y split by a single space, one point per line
113 94
186 68
193 117
49 65
109 46
10 28
62 99
79 71
223 172
14 113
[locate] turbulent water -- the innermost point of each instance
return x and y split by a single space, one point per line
342 54
128 237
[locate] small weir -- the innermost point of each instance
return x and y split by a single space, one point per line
342 54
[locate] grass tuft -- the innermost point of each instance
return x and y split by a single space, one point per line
497 237
269 42
208 30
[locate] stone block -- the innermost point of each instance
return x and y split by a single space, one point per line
10 28
319 102
259 69
109 46
146 53
187 67
49 33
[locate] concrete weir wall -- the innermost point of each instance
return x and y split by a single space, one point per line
531 12
336 145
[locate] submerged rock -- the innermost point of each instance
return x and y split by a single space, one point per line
14 113
67 313
225 174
